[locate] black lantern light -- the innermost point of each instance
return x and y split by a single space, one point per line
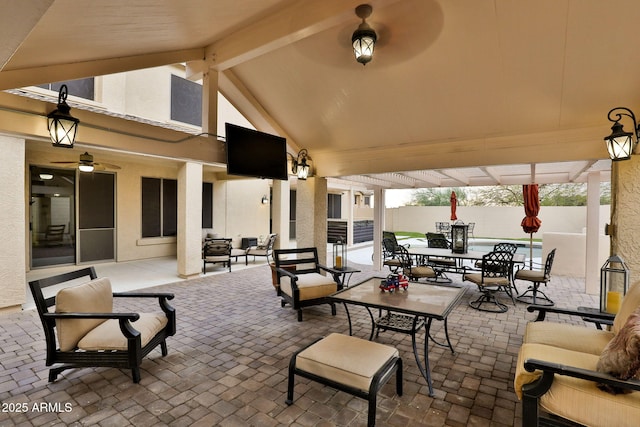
299 165
621 144
459 238
614 283
339 254
364 37
61 125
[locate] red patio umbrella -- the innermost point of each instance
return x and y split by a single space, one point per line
454 203
531 223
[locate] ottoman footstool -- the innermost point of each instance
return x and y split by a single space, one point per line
353 365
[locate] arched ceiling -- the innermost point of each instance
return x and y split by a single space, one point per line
458 93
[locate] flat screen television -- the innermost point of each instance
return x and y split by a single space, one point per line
255 154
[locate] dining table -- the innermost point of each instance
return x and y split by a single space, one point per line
406 311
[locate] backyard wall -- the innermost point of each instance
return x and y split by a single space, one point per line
493 221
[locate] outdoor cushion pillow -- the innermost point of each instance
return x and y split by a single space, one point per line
91 297
621 357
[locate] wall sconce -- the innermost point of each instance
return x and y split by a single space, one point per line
621 144
265 200
364 37
299 165
61 125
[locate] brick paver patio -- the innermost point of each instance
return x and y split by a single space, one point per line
227 365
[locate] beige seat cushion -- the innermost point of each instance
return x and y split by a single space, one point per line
577 400
420 271
108 335
311 286
91 297
530 275
488 281
571 337
344 359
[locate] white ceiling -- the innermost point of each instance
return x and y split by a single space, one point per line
459 93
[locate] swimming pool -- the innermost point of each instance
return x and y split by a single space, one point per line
523 247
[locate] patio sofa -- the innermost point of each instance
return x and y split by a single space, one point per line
578 373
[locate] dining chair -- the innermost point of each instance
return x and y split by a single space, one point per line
495 276
533 294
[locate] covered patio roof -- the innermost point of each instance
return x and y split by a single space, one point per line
480 93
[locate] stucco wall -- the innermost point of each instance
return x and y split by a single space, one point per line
493 222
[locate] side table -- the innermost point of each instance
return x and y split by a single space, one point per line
343 274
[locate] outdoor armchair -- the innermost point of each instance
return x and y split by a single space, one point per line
264 249
566 371
84 331
306 285
216 251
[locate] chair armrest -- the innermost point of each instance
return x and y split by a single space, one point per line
543 310
166 295
121 316
554 368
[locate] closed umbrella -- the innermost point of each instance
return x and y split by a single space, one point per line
531 223
454 203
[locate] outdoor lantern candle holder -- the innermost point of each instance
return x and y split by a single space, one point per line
614 282
459 238
339 254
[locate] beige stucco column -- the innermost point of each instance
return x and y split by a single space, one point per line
347 197
280 207
311 215
378 226
13 224
592 256
189 220
625 212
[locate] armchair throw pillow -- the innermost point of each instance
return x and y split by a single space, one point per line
621 357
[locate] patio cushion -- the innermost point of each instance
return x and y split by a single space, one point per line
574 399
344 359
621 357
630 302
94 296
567 336
488 281
108 335
311 286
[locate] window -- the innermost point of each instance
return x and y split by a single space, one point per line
367 200
82 88
334 206
186 101
159 207
207 205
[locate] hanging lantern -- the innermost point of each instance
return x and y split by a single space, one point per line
339 254
614 283
62 126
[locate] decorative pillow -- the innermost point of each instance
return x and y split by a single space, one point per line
91 297
621 357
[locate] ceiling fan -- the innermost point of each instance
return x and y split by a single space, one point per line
86 164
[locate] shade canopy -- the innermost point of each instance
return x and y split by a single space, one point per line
454 204
531 223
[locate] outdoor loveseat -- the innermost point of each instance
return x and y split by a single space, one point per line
580 373
84 331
